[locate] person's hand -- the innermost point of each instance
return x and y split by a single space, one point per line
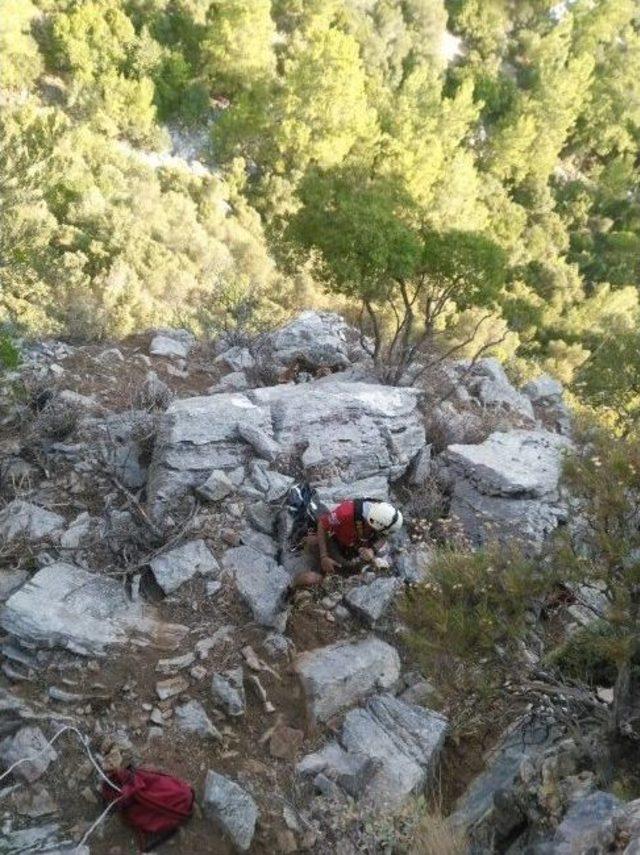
328 565
366 554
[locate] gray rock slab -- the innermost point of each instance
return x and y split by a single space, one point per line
589 825
23 519
235 381
544 389
170 346
523 464
337 676
371 602
66 606
260 441
361 430
260 542
231 808
227 688
404 739
172 569
508 486
78 533
192 718
196 436
478 812
315 339
10 581
261 582
375 487
262 517
236 359
28 742
487 381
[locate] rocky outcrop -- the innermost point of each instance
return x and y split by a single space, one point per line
314 340
340 675
66 606
172 343
359 430
487 382
387 750
508 486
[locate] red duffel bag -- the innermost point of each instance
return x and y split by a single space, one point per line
153 803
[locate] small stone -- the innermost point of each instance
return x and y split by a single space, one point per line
212 588
263 445
198 672
34 802
216 487
156 717
28 742
232 808
192 718
172 666
89 796
172 569
277 645
168 688
228 690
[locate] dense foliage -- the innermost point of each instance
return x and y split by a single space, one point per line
320 115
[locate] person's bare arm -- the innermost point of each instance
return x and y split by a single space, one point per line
327 564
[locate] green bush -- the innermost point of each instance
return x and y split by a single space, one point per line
9 356
587 656
472 603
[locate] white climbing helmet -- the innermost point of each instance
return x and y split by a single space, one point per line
382 517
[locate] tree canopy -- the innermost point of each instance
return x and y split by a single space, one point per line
490 145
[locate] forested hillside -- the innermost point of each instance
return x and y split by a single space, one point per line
487 149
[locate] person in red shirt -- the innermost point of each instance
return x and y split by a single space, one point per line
348 532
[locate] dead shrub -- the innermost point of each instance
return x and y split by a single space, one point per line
434 835
57 420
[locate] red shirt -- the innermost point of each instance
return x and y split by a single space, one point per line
342 524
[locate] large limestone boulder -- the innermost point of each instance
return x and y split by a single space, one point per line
351 430
508 486
359 429
314 339
197 436
487 382
387 750
338 676
66 606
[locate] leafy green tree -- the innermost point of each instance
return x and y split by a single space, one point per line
237 49
610 379
370 251
604 552
21 61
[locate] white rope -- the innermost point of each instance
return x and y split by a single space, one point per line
102 816
85 744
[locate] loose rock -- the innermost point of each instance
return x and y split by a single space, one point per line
232 808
